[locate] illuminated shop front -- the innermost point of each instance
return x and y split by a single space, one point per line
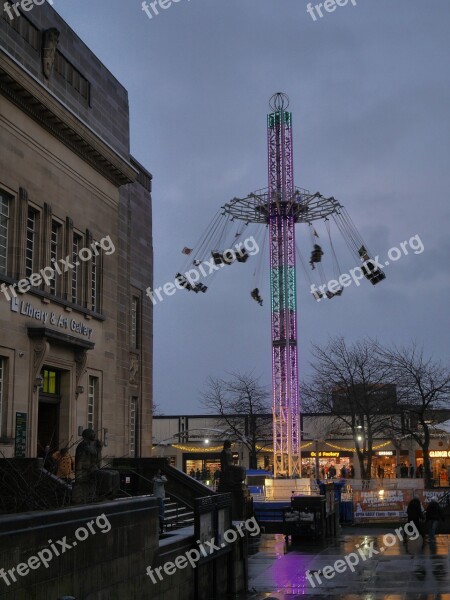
339 459
440 465
265 461
384 463
204 466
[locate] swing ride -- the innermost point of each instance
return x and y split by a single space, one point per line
279 207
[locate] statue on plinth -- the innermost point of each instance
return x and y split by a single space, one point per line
91 481
231 476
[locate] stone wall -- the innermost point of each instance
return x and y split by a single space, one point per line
215 576
110 565
135 274
106 112
105 566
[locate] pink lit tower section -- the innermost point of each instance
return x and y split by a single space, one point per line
281 212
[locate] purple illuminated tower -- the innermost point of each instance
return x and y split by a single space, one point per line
281 218
280 207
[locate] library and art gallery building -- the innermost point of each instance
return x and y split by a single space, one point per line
75 248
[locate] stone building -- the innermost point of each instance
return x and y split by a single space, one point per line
75 247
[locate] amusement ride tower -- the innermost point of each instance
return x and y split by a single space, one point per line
280 207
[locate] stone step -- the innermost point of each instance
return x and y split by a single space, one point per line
176 515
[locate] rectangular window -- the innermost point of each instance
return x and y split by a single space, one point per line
77 279
92 401
4 224
31 245
133 423
95 283
50 383
135 322
55 255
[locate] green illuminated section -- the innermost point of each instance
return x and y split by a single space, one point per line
275 290
277 118
292 300
278 277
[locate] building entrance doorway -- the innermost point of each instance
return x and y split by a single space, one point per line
48 427
48 411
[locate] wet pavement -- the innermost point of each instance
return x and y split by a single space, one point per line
371 567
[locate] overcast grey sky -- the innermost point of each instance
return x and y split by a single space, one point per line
369 90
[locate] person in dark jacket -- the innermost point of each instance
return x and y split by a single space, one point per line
433 515
415 514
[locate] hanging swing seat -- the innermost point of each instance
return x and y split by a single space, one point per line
316 255
184 283
218 257
317 295
333 294
369 267
242 255
256 296
228 257
363 253
373 273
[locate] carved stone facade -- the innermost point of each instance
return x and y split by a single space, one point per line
69 185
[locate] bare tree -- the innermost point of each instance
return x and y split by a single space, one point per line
242 404
423 386
157 412
349 383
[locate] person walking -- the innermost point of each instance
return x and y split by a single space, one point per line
159 480
411 471
415 515
433 516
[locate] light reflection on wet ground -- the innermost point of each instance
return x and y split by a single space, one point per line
400 572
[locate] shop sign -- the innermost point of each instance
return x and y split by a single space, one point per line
385 453
439 453
325 454
50 318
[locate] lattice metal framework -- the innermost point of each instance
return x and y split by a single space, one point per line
281 206
285 407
